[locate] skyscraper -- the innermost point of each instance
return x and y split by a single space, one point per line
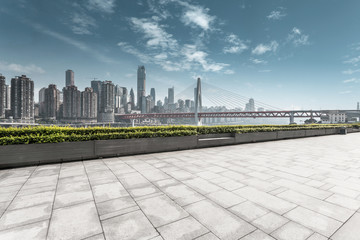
152 94
96 86
2 96
141 80
251 105
88 104
69 78
7 97
171 95
71 103
132 99
22 98
42 102
51 102
106 109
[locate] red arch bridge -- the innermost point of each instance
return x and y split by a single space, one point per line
261 114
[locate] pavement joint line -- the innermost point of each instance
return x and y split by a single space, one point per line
53 203
92 193
18 192
130 196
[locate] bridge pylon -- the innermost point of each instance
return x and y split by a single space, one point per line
198 102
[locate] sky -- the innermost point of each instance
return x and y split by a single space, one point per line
289 54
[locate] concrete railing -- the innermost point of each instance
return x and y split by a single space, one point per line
33 154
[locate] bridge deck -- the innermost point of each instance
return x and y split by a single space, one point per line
303 187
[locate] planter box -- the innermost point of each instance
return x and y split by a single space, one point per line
315 132
331 131
121 147
219 141
291 134
31 154
255 137
220 135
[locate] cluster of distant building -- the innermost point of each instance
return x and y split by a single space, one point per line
98 103
101 102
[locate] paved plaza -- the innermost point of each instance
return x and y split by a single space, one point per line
287 190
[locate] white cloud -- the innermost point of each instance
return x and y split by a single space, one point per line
22 69
131 50
229 72
193 55
235 44
354 61
196 16
345 92
81 24
79 45
276 15
298 38
106 6
263 48
265 71
351 80
257 61
154 33
351 71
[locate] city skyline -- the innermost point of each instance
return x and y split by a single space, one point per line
278 52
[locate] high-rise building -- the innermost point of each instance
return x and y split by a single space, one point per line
141 81
51 102
42 102
2 96
69 78
88 104
106 109
188 103
7 97
96 86
171 95
71 103
251 105
132 99
121 96
152 94
22 98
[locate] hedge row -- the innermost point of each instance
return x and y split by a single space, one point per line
30 135
5 132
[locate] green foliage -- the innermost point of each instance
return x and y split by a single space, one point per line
30 135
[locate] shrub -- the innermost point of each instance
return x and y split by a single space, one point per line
54 134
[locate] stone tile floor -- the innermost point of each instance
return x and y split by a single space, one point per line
294 189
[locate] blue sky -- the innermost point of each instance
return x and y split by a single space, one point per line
290 54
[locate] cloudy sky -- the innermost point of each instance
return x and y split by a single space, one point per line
290 54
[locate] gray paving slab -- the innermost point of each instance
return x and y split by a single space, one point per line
75 222
221 222
184 229
128 227
293 189
350 230
34 231
161 210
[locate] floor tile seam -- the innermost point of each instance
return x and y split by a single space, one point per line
290 220
74 204
343 224
343 206
120 214
92 193
319 234
140 209
1 215
53 204
252 233
298 205
36 205
26 224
